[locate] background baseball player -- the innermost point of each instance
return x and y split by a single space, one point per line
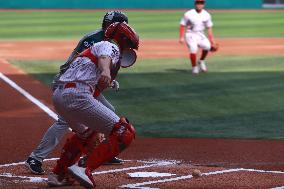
192 26
55 133
89 73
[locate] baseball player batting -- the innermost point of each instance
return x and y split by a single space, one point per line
192 26
91 73
55 133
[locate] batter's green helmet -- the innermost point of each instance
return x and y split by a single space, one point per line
112 17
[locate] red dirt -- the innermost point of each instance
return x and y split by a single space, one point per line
60 50
236 179
22 124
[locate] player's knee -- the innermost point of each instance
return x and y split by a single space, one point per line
206 46
193 49
73 144
125 133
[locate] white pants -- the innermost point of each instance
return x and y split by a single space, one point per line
195 40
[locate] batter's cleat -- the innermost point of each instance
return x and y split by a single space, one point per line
55 180
202 66
195 70
82 175
114 161
34 166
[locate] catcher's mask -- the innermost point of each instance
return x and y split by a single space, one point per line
127 39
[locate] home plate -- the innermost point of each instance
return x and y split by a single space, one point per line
149 174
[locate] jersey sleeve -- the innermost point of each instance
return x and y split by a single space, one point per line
183 20
209 22
80 46
106 48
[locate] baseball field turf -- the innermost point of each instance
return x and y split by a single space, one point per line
240 97
65 25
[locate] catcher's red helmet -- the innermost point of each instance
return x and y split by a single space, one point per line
123 34
199 1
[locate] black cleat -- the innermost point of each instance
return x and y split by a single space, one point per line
34 166
114 161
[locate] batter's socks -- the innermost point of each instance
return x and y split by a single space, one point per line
193 59
204 54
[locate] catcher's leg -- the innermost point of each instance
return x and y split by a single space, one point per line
122 135
71 153
74 147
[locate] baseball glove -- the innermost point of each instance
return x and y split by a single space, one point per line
214 47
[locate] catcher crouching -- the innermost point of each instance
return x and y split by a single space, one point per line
89 74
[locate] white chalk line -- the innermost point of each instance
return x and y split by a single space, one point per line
142 184
54 116
280 187
22 163
27 178
42 179
159 164
29 96
137 185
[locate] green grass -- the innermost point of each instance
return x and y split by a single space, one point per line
164 25
241 97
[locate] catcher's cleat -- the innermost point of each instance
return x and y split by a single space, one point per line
195 70
114 161
55 180
202 66
83 176
34 166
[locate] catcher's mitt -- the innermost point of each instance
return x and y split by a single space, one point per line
214 47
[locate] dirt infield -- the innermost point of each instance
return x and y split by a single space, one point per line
60 50
225 163
166 174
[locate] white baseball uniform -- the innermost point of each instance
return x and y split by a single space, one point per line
195 24
77 105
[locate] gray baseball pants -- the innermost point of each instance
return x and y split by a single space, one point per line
57 131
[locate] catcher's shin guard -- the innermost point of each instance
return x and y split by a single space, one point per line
120 138
70 154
